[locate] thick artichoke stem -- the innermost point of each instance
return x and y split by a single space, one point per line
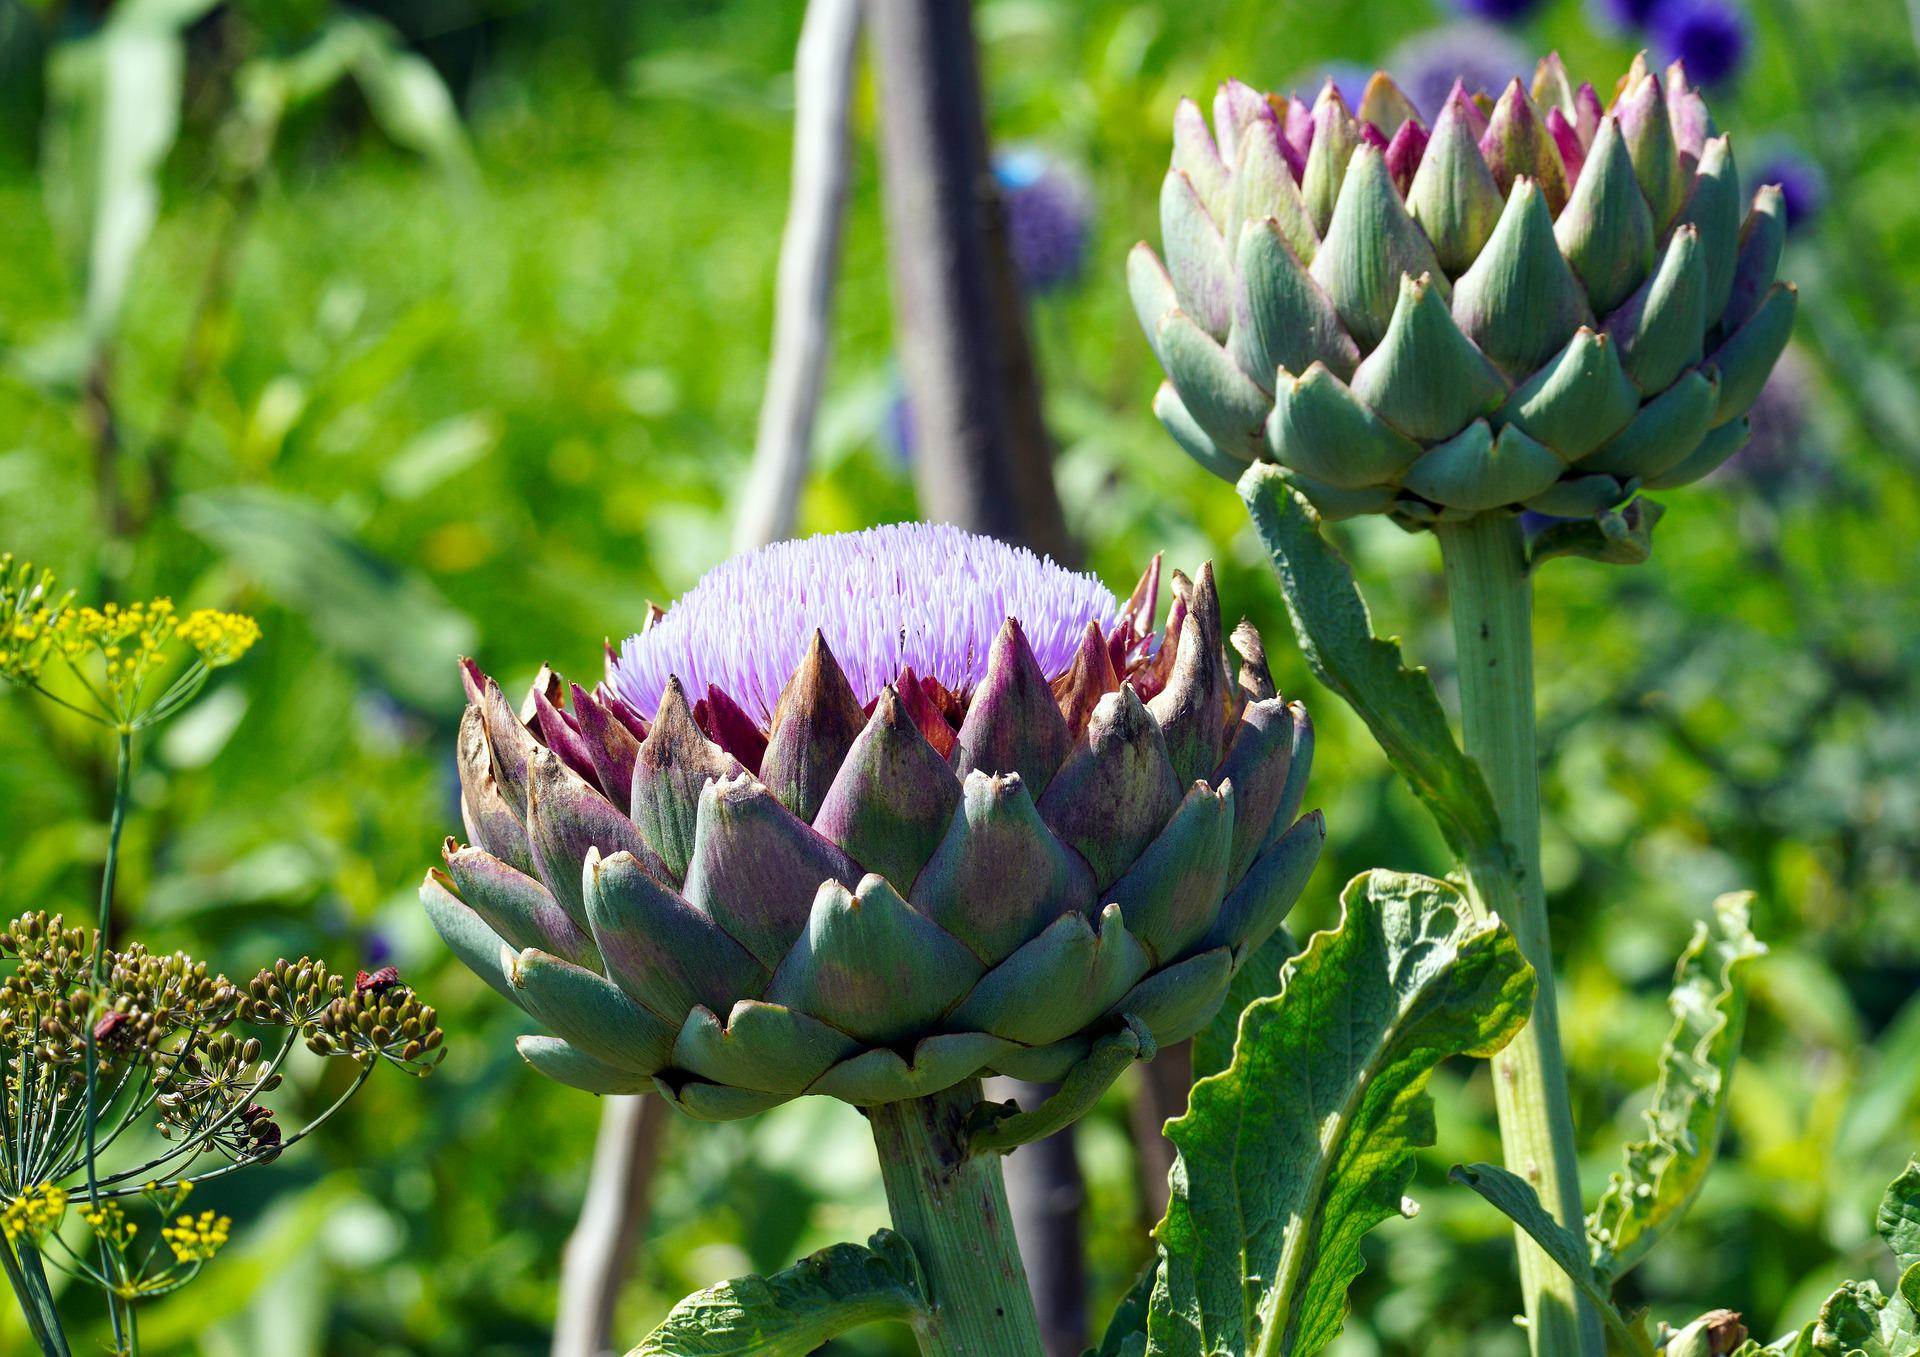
952 1207
1492 601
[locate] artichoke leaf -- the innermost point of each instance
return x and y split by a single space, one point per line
793 1311
1515 1198
1336 636
1306 1140
1663 1173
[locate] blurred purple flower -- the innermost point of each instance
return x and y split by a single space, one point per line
1803 185
1778 458
896 422
377 949
1497 11
1349 77
1710 36
1427 64
1629 15
1049 217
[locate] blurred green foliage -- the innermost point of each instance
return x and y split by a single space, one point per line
407 386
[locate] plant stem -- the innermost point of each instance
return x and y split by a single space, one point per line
952 1207
1492 602
29 1280
122 783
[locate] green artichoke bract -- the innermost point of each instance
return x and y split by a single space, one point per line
1539 303
873 814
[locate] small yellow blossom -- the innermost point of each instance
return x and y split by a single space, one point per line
30 618
33 1213
114 649
221 638
195 1239
131 641
110 1223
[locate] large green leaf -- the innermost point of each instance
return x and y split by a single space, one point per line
1306 1141
794 1311
1398 704
1663 1173
1859 1320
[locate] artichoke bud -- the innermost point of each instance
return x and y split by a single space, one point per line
1714 1334
946 809
1449 312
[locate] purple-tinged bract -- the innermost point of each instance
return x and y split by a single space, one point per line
873 814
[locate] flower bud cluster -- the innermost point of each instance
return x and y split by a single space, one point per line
166 994
195 1239
294 994
200 1087
44 997
383 1018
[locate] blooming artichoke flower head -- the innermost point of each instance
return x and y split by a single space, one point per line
871 814
1541 302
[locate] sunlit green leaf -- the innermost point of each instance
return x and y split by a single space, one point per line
1398 704
794 1311
1306 1141
1898 1219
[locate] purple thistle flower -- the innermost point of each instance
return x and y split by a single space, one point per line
1477 54
1049 216
924 595
1710 36
1803 185
1497 11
